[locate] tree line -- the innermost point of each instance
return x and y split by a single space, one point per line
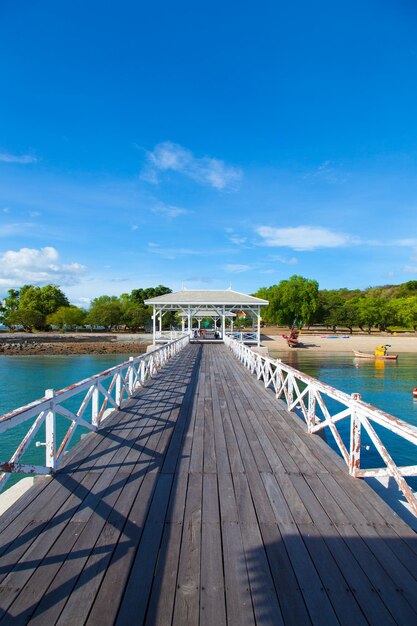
299 301
42 308
295 301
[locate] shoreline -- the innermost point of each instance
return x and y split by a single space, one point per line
23 344
99 343
405 344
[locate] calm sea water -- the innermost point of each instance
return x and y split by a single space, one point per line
25 378
386 385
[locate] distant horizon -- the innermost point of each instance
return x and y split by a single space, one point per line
208 146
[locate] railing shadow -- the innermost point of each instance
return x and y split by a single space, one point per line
165 409
324 570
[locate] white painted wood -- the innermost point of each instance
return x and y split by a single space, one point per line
122 381
286 381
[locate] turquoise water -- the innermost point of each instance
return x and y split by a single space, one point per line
24 379
386 385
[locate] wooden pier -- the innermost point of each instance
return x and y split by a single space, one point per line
203 501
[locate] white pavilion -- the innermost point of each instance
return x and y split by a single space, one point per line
219 305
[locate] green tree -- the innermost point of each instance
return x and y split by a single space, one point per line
107 314
268 312
136 316
103 300
9 304
140 295
45 299
406 311
329 309
67 317
28 318
373 311
407 289
293 301
349 315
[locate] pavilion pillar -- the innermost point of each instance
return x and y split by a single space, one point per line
259 325
223 324
154 325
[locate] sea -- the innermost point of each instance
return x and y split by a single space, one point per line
24 379
386 385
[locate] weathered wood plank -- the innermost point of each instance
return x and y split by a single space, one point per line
186 608
212 593
204 502
100 535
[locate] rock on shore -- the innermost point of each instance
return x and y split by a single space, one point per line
73 344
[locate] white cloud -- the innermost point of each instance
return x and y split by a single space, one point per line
326 172
5 209
303 237
168 156
407 243
291 261
168 210
236 268
237 240
18 228
410 269
35 213
37 266
23 159
171 253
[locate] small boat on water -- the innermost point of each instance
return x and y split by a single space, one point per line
415 392
380 352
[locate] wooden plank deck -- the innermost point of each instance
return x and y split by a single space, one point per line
205 502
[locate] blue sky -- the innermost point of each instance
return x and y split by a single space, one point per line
207 144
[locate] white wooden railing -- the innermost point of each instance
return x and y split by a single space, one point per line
242 335
311 397
168 335
96 398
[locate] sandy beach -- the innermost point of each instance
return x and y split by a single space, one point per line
343 343
125 343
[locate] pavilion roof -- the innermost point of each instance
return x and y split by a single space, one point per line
209 296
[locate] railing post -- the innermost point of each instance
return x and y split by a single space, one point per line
118 392
94 406
311 414
131 376
142 372
290 389
355 440
50 432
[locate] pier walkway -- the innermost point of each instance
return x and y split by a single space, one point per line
203 501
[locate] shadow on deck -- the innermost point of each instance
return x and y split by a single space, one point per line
204 502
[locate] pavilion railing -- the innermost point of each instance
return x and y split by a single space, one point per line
169 335
323 406
91 401
242 335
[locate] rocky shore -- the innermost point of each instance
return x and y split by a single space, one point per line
24 344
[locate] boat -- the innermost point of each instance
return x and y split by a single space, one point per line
415 392
366 355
